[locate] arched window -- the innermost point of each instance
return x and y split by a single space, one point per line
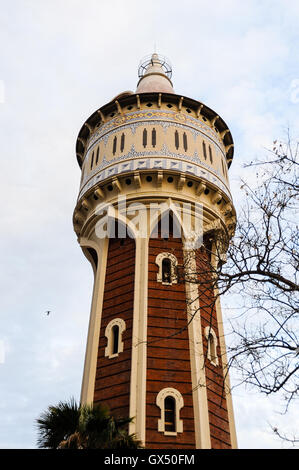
212 345
210 153
113 332
170 402
115 339
204 149
166 270
169 414
122 142
144 138
154 137
185 141
176 140
114 145
91 161
167 264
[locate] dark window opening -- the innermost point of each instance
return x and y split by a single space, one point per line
188 110
204 149
166 270
144 138
114 145
122 142
210 153
154 137
97 156
169 105
149 105
176 140
185 141
91 163
169 413
115 339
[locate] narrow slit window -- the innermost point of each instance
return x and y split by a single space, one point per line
122 142
114 145
185 141
115 339
176 140
210 153
97 155
204 149
91 162
154 137
166 270
169 414
144 138
212 345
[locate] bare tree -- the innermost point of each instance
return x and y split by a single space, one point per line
261 275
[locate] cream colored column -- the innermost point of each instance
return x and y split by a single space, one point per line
200 400
139 345
91 355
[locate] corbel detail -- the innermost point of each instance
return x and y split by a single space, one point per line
200 188
217 197
101 115
181 181
99 193
116 184
137 179
159 178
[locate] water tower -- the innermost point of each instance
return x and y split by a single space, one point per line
153 196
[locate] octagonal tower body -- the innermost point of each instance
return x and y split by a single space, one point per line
144 156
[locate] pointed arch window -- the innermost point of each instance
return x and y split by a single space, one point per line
113 332
212 345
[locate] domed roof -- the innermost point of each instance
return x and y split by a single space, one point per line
154 72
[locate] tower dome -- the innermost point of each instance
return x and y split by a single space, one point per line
155 73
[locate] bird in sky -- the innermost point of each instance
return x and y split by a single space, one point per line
47 312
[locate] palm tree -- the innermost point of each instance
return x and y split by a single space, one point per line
72 426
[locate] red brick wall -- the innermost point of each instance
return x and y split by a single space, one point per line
218 416
112 385
168 358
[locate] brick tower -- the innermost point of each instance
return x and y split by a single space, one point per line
154 192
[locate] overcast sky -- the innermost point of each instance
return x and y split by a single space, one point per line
60 60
